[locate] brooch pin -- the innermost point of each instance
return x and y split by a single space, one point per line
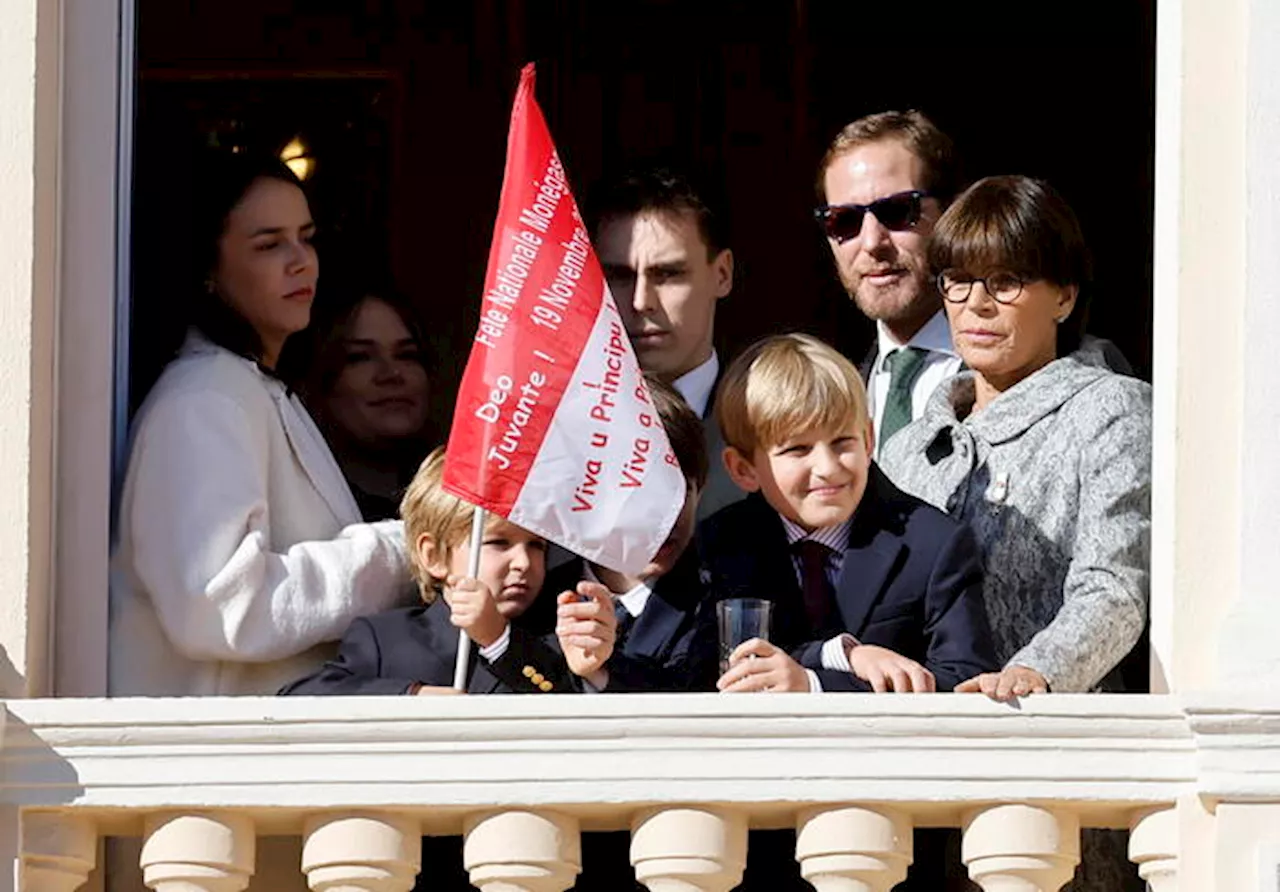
998 491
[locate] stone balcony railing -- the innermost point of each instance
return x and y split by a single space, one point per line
361 780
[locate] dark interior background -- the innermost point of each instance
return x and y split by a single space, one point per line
405 107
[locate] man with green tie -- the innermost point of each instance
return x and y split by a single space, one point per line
884 181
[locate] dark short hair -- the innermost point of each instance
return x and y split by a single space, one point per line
222 181
1022 225
915 131
658 190
684 429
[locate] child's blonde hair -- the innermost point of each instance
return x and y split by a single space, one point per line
427 508
785 385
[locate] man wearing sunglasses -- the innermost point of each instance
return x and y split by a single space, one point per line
667 261
883 183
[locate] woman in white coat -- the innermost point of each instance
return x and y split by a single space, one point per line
241 549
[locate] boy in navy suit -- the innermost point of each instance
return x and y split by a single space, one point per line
660 613
872 589
412 650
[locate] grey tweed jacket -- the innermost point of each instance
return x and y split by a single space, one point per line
1054 477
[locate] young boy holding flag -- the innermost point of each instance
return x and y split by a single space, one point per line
412 650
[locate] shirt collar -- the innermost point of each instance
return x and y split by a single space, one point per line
634 600
834 537
934 336
696 385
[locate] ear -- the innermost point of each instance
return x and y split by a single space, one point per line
434 558
1067 301
722 267
741 471
870 435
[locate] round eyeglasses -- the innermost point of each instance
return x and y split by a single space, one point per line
956 286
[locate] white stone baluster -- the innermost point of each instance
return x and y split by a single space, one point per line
1021 848
853 849
361 852
58 851
689 849
1153 846
522 851
197 852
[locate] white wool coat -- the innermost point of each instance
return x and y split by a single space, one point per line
241 551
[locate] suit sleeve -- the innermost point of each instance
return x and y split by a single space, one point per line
1104 597
199 522
356 670
691 664
533 664
958 636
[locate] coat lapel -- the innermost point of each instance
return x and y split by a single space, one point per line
869 558
444 641
313 454
656 629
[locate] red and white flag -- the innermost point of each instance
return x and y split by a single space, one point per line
554 429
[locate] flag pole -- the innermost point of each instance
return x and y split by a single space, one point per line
473 570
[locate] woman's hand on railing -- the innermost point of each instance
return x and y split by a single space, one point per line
1013 681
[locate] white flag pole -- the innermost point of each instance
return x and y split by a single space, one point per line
473 570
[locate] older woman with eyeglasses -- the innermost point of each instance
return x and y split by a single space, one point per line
1045 454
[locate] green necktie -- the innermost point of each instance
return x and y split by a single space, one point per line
905 365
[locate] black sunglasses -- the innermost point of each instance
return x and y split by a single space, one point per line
896 212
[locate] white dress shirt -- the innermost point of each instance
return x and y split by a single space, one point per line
696 384
940 363
634 600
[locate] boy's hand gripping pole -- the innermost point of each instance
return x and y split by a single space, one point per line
473 570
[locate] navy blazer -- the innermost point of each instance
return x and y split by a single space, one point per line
655 651
911 582
389 652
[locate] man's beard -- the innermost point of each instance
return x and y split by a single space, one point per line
909 298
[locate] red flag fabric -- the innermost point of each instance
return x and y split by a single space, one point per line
553 428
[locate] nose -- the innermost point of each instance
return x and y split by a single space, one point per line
644 295
302 257
825 460
388 371
873 233
521 558
985 304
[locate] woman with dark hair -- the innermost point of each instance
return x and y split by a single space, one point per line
367 382
1042 451
241 548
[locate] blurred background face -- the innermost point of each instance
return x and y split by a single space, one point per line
885 272
666 286
267 266
381 391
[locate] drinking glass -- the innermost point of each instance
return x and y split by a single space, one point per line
739 620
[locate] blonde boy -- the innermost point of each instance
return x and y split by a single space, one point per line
412 650
872 588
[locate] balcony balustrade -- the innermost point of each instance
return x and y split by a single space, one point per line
362 779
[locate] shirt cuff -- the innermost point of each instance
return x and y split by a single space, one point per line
815 686
596 682
835 653
494 651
